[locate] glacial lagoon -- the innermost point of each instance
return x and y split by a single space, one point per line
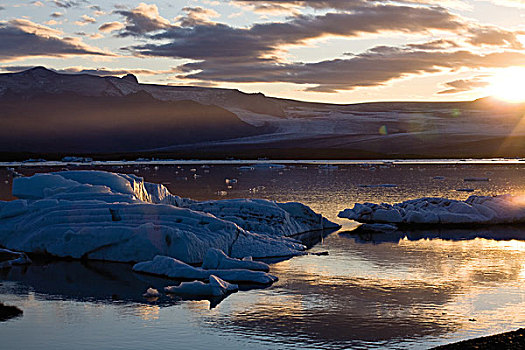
414 289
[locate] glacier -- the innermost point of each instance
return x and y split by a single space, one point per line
100 215
475 210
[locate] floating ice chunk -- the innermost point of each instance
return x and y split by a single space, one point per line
173 268
151 293
465 190
268 166
216 259
216 287
472 179
328 167
10 258
438 178
503 209
379 185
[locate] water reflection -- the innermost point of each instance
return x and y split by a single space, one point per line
409 289
94 281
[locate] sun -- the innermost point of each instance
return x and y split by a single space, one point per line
508 85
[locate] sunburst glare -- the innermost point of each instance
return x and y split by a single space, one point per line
508 84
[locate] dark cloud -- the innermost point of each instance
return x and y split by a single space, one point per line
281 5
22 38
462 85
220 41
439 44
92 71
56 14
68 3
2 8
372 68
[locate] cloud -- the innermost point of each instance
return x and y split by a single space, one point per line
374 67
84 20
102 71
111 26
22 38
67 3
494 36
462 85
142 19
196 16
56 14
202 41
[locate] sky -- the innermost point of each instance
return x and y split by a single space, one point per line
340 51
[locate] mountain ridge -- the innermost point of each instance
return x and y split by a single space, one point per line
121 116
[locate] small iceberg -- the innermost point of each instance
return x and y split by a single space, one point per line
378 186
176 269
328 167
216 259
151 293
465 190
10 258
268 166
476 210
216 287
476 179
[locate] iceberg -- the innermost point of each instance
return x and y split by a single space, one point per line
216 259
10 258
176 269
476 210
119 217
151 293
216 287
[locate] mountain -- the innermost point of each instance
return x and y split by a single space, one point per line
44 112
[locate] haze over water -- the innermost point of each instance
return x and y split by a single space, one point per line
416 290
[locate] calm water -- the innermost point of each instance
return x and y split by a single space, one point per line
413 290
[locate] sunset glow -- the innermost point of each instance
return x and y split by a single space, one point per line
508 85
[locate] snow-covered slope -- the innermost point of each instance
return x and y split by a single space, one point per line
251 125
118 217
476 210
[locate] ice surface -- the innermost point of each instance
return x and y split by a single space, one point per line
502 209
9 258
173 268
216 287
119 217
216 259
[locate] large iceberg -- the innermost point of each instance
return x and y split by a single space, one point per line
476 210
120 217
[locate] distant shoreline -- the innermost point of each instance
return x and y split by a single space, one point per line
41 162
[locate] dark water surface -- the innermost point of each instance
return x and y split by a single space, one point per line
407 290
